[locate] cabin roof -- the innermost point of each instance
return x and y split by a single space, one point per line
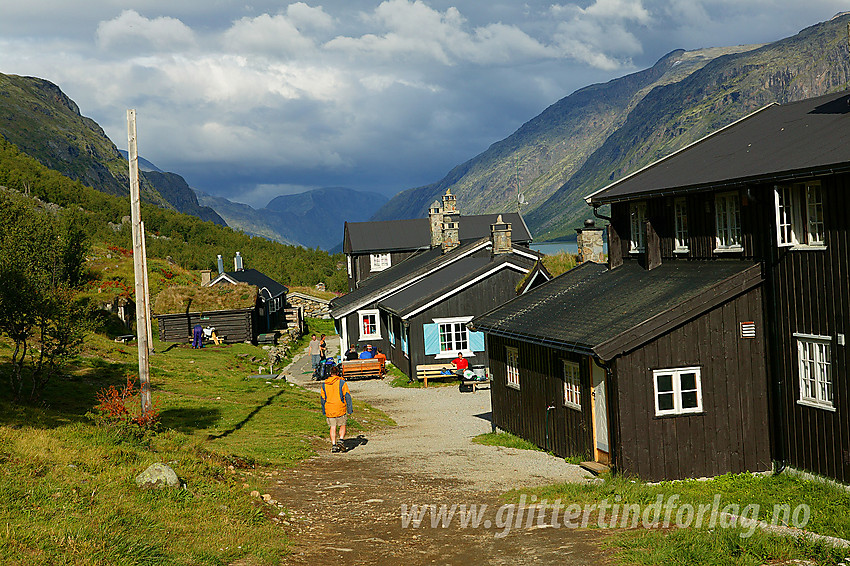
269 288
593 310
451 280
415 233
784 142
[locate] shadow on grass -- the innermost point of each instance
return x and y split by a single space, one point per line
189 419
247 419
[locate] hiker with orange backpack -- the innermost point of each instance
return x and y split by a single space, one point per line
336 406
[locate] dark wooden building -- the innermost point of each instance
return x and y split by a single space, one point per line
771 189
631 367
232 326
271 296
417 310
372 247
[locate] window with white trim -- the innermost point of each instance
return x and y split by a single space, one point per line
348 258
637 214
727 221
572 384
512 367
678 391
453 336
799 214
680 222
369 326
379 262
814 369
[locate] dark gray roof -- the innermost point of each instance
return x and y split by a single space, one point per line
413 234
416 266
589 306
446 280
269 288
779 142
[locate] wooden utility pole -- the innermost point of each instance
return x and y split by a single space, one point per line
139 266
147 289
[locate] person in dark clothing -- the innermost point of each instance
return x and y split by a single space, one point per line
197 337
351 354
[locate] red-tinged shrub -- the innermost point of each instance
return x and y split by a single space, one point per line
113 405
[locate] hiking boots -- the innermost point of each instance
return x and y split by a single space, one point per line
335 448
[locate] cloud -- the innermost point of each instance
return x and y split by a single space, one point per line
130 31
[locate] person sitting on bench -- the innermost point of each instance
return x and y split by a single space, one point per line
460 364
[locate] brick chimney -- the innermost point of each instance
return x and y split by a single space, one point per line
589 241
500 235
435 217
206 277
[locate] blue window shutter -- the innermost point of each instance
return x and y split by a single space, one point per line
432 338
404 341
476 341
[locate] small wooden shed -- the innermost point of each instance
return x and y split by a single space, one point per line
230 309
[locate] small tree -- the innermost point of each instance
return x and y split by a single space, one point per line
41 259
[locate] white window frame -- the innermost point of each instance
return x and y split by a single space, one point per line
451 353
680 224
814 371
727 222
637 237
571 372
799 216
512 367
371 312
677 392
379 262
350 272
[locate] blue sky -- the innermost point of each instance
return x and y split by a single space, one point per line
249 101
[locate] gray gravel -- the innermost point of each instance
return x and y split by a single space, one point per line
434 432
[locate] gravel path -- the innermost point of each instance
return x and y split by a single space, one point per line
347 508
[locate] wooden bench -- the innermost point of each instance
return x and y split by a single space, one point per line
362 369
424 372
125 338
476 383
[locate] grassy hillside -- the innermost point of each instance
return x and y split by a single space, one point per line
183 240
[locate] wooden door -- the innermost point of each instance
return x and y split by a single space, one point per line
598 395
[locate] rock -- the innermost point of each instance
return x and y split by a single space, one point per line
158 476
267 497
255 493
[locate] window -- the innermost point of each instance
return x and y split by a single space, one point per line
350 273
727 218
379 262
799 215
815 371
677 391
403 336
680 220
453 337
369 328
637 213
572 385
447 336
391 331
512 367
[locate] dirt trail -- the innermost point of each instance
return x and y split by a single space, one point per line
347 508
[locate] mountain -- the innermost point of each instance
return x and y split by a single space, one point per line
46 124
605 131
312 218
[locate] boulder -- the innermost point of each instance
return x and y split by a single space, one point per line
158 476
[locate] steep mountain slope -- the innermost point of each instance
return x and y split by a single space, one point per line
312 218
547 150
604 131
46 124
814 62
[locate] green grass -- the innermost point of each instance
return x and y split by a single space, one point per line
505 439
67 483
704 545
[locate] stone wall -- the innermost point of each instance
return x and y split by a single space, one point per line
314 307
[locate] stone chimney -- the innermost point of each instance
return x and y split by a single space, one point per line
449 203
206 277
451 233
435 217
237 262
500 235
589 241
220 265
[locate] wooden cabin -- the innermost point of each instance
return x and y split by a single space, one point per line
769 190
417 311
233 313
372 247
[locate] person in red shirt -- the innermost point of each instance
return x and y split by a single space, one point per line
460 363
